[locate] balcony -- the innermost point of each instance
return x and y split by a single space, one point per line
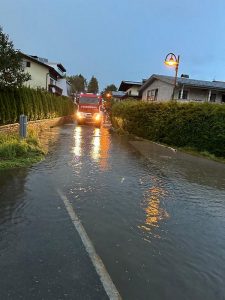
54 89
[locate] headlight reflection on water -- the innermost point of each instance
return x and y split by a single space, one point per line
77 150
100 147
96 145
98 139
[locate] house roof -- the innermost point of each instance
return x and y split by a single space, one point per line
55 65
214 85
118 94
125 85
34 60
46 65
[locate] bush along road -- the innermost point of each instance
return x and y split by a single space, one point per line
193 127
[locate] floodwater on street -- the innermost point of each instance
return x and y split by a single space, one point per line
158 224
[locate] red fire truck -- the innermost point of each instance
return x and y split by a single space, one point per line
89 109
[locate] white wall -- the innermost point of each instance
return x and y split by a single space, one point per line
63 84
165 90
38 75
133 91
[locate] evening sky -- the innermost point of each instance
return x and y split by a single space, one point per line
120 39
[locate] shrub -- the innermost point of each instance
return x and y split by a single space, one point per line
200 126
35 104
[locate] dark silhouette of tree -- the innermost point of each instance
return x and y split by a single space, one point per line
110 88
93 85
11 64
78 83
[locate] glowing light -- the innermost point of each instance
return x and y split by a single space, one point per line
171 60
95 153
100 147
79 115
153 209
97 117
105 145
77 150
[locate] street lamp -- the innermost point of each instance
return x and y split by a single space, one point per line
172 60
108 95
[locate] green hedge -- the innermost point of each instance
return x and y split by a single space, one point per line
199 126
35 104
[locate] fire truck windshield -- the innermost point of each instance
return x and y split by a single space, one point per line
89 100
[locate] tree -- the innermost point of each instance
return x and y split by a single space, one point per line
93 85
107 94
110 88
78 83
11 64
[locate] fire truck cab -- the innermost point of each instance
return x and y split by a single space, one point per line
89 109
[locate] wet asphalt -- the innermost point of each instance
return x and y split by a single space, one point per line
157 224
41 253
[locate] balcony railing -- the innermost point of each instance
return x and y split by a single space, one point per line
54 89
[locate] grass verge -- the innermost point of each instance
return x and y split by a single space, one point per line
15 152
204 154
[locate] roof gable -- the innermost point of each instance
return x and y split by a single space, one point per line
51 69
125 85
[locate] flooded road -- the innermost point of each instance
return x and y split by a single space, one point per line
158 224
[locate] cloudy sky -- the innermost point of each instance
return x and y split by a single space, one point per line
121 39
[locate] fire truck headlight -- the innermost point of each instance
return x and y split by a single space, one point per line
97 117
79 115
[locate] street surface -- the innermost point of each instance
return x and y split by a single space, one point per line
157 224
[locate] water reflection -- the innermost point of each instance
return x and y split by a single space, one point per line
100 147
12 203
153 205
95 151
78 138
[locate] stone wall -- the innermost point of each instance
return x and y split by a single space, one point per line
47 130
37 126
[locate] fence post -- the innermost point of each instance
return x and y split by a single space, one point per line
23 126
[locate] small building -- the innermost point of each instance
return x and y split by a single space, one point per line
45 75
130 88
160 88
118 95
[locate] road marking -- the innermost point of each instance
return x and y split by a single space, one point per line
105 278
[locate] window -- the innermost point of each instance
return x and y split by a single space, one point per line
51 81
223 98
89 100
28 64
152 95
184 96
212 98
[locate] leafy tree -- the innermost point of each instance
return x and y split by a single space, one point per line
11 67
93 85
78 83
110 88
107 96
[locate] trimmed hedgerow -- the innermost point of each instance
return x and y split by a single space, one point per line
35 104
198 126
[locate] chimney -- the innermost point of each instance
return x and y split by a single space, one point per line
184 76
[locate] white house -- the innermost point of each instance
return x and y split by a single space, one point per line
45 75
65 85
130 88
160 88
